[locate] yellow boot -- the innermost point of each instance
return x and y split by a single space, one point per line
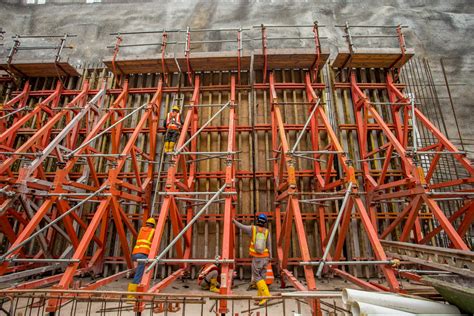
259 292
132 287
213 288
167 145
263 289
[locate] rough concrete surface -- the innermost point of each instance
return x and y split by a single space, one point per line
437 29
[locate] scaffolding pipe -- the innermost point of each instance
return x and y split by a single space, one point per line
42 260
187 261
333 232
317 152
72 124
183 231
177 152
425 271
14 112
413 123
324 199
207 153
194 193
105 131
57 219
300 136
346 263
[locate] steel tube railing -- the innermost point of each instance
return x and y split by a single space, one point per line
183 231
334 230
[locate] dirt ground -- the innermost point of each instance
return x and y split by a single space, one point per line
291 306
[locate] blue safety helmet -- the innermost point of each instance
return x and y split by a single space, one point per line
262 219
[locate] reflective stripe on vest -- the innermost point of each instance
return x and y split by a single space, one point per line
252 251
143 244
170 124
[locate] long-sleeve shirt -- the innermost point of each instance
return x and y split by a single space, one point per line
248 229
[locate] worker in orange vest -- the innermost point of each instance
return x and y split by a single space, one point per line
208 277
173 126
141 251
258 250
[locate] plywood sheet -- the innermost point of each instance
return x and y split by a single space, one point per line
372 58
200 61
41 68
217 61
288 58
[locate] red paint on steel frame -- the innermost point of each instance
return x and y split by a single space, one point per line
285 184
413 185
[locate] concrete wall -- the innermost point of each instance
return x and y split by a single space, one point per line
437 28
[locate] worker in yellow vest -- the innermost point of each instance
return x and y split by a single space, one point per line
208 277
258 250
141 251
173 126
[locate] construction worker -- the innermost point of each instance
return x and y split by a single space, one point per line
141 251
173 125
208 277
258 250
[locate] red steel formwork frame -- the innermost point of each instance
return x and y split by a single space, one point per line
282 164
106 192
31 175
415 185
85 124
400 133
169 208
348 180
17 104
170 212
115 188
326 180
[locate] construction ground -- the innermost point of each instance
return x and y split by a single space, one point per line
347 123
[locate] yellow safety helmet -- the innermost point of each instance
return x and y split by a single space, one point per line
151 220
175 108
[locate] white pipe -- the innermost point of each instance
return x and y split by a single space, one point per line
399 302
365 309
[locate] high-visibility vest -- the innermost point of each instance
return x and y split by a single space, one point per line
205 270
172 122
143 244
252 251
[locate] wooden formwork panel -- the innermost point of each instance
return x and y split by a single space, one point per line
41 68
217 61
372 58
291 58
199 61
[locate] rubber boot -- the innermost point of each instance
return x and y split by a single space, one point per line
259 292
213 288
262 286
132 287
